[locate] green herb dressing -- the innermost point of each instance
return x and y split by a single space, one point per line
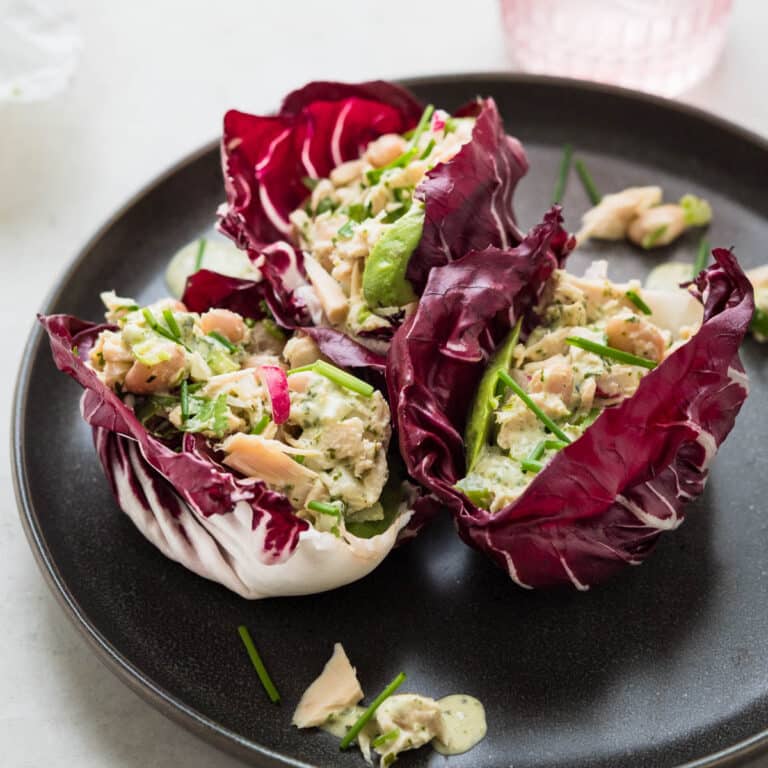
340 723
464 724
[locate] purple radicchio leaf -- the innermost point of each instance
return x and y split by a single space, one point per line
468 201
436 358
266 157
602 501
232 530
206 487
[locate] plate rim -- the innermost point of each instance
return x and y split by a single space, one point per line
155 695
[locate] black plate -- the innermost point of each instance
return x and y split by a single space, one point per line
666 664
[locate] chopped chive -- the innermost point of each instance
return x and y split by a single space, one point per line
156 327
423 123
173 326
480 497
554 445
537 452
394 214
368 714
562 178
529 465
702 257
346 231
506 379
586 180
326 204
337 376
201 243
359 212
258 665
400 162
636 299
428 151
260 425
653 237
184 396
610 352
326 508
299 459
75 351
224 341
385 737
309 182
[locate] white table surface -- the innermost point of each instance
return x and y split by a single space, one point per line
152 84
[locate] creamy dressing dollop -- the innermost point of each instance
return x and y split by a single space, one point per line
404 721
464 724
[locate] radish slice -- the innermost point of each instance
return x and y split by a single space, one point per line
276 383
438 120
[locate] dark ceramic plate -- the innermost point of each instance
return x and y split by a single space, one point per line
666 664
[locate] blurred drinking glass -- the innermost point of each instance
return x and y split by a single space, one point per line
663 46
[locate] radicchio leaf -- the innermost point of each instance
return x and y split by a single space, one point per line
226 548
436 358
205 487
603 501
234 531
468 201
265 159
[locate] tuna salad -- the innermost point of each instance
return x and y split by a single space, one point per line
271 405
596 341
359 227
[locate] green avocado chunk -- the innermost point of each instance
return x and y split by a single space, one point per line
486 400
384 281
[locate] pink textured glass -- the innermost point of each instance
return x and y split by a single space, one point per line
663 46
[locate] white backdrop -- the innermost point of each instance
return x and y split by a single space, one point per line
152 82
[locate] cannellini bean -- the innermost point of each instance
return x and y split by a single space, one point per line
377 198
609 219
261 358
324 189
145 379
113 348
637 336
385 149
301 350
299 382
224 322
657 226
411 175
347 172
